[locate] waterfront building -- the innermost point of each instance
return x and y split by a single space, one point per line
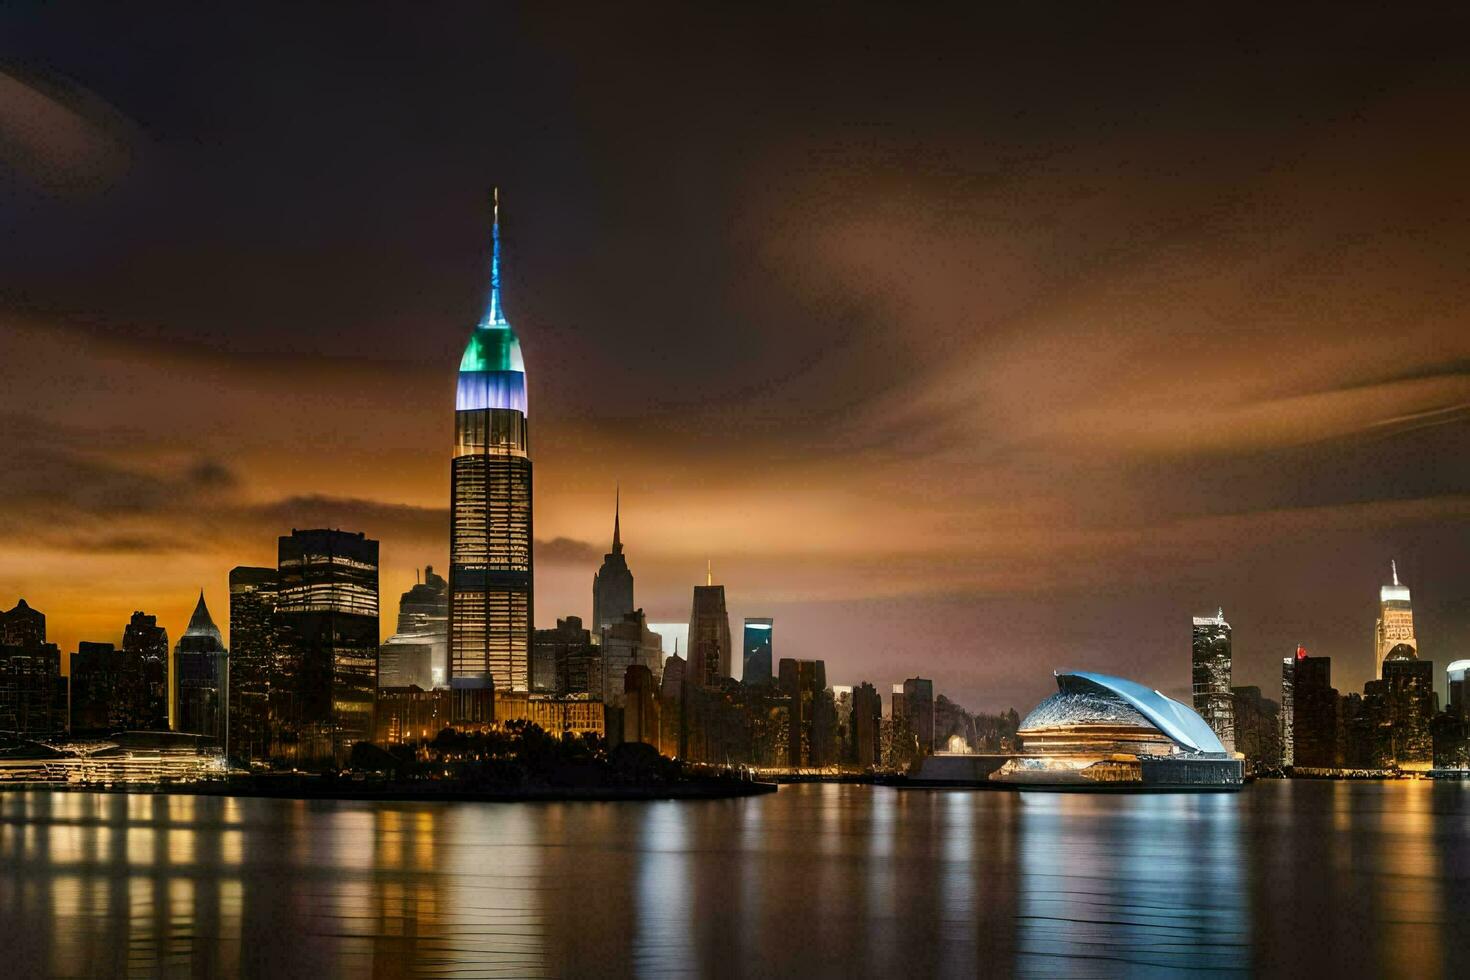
1393 634
145 645
1288 731
1257 728
627 642
640 706
1407 688
33 692
327 623
803 682
1103 730
96 689
491 598
756 666
1315 714
867 722
254 672
576 714
709 635
410 715
918 704
1211 674
612 584
201 679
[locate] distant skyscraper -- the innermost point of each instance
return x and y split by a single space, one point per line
33 693
22 626
612 585
146 645
1393 635
918 702
96 689
803 682
327 621
624 644
1288 706
417 655
866 725
1456 693
757 666
709 635
254 651
1315 712
202 678
1211 662
491 602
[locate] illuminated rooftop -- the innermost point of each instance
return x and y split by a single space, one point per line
492 373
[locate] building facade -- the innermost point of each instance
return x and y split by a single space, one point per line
567 661
710 656
918 704
145 644
491 598
1211 661
254 675
756 663
33 692
626 643
327 628
202 679
866 726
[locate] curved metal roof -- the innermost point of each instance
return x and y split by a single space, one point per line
1185 728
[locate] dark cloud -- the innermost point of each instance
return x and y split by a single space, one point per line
567 551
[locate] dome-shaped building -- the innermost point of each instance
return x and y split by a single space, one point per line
1102 730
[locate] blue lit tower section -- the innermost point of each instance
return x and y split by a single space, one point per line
757 659
490 583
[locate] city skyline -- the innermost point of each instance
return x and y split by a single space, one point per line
1113 412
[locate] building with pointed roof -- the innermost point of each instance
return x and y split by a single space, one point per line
612 584
491 597
201 678
710 656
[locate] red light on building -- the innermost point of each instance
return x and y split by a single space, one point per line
1301 652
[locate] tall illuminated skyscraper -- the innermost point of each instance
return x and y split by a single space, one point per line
1211 662
1393 635
491 607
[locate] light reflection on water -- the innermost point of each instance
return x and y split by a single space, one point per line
1287 878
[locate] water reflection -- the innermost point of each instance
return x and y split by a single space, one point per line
1289 878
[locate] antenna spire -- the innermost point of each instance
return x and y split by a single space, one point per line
1395 566
495 316
617 514
709 572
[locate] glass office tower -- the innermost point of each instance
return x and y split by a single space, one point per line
1211 662
491 607
756 668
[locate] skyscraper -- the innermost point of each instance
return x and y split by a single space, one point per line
146 645
33 694
709 635
626 643
491 603
202 678
1315 711
1393 634
417 654
918 703
866 726
612 585
252 660
1288 706
756 668
327 621
1211 662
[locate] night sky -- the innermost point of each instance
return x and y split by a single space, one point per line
972 348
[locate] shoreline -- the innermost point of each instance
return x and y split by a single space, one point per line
303 790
